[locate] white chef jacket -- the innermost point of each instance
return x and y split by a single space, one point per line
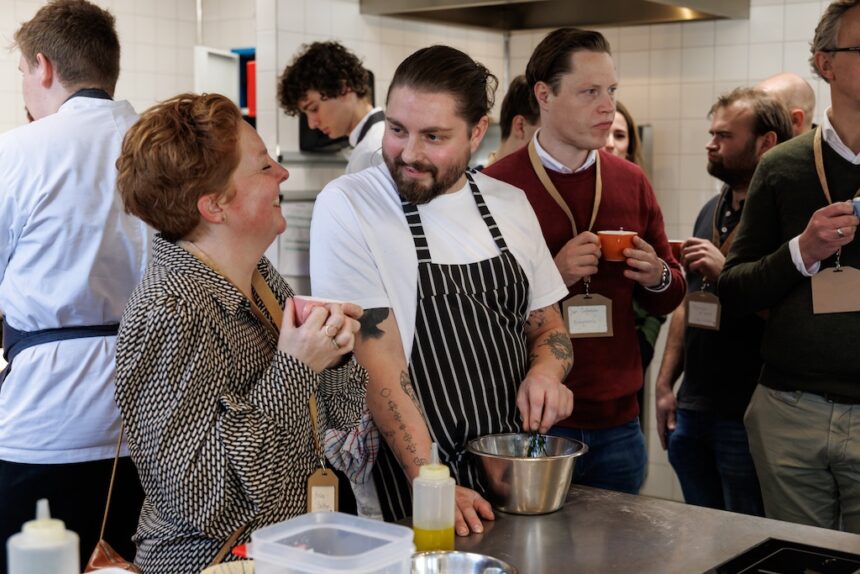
69 256
367 152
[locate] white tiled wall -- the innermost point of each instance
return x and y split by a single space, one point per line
156 37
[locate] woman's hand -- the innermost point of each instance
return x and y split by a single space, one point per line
327 334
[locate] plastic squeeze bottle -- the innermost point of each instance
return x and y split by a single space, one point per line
43 546
433 506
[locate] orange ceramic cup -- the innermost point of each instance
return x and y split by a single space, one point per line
613 243
676 244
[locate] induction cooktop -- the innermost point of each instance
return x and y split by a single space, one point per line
774 556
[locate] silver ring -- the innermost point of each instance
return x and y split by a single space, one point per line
333 331
334 343
839 232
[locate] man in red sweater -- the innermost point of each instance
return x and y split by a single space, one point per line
577 189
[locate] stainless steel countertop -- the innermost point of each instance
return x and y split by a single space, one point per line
599 531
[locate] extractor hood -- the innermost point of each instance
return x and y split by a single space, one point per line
533 14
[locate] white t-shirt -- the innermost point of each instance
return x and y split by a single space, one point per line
367 152
69 255
362 250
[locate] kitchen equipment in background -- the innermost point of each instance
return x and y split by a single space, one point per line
522 484
332 542
458 563
316 141
294 260
216 72
783 557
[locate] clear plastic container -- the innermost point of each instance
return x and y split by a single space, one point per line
332 543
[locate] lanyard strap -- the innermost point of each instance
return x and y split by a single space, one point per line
819 164
540 170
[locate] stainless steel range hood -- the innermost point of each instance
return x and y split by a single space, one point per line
532 14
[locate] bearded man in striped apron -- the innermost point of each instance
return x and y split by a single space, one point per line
461 335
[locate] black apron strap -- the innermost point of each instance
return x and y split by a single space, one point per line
15 341
485 213
374 119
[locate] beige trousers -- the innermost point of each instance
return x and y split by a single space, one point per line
807 456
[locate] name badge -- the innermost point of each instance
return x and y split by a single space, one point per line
836 290
322 491
703 310
588 316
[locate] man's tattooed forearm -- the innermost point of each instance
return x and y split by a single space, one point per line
370 321
406 385
559 345
408 441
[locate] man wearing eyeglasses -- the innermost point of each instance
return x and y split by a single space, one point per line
795 255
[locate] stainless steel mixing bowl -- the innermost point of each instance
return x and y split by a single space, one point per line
458 563
521 484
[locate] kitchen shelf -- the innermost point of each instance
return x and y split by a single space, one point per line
295 157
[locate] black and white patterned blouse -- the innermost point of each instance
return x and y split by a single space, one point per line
216 417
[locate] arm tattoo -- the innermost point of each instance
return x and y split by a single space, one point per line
408 440
370 321
559 345
406 385
536 320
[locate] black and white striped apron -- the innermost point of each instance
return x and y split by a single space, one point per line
468 357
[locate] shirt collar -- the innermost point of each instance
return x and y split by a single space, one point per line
551 163
353 135
828 133
177 259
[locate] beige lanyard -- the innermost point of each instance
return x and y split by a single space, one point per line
543 176
540 170
258 283
822 178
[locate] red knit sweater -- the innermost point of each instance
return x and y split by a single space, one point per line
607 371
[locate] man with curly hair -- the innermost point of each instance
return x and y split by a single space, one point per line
328 84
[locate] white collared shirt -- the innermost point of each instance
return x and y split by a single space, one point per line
829 135
367 152
550 162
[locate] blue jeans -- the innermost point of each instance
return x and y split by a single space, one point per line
616 456
711 457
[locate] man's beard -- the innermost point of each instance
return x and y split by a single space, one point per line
739 171
416 192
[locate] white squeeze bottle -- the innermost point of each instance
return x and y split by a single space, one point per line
433 506
43 546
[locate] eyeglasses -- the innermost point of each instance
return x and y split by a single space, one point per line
851 49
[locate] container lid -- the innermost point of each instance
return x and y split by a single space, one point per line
434 470
44 530
327 542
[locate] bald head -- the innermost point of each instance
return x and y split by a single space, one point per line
796 94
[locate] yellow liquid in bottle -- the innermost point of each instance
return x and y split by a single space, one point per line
440 539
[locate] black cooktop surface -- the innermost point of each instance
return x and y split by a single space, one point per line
775 556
